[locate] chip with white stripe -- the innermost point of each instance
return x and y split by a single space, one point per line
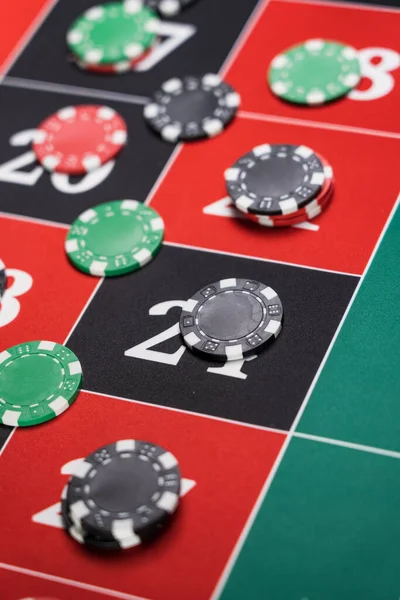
82 537
275 179
39 380
314 72
78 139
168 8
308 212
231 319
127 493
191 108
113 32
114 238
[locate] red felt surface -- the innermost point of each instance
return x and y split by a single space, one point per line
16 18
283 24
366 189
44 296
227 463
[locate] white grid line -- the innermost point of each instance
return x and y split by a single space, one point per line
71 582
350 5
77 321
46 86
62 88
348 445
369 263
317 124
190 413
296 434
84 309
260 258
247 28
33 220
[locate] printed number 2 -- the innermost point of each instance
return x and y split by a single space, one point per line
9 171
144 352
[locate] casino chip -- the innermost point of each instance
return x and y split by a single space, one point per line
114 238
125 492
113 32
123 66
314 72
308 212
78 534
315 208
38 381
3 278
231 319
78 139
168 8
192 108
274 179
116 68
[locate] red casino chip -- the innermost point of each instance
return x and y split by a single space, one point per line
78 139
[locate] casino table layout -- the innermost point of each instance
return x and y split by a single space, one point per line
290 457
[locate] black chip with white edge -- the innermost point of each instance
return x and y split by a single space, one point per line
192 108
168 8
125 492
275 179
231 319
3 278
79 535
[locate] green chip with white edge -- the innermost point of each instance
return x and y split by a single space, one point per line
314 72
38 381
114 238
113 32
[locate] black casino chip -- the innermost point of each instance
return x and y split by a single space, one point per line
192 108
80 536
231 319
124 493
168 8
3 278
275 179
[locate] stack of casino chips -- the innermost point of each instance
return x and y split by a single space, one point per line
122 495
114 37
278 185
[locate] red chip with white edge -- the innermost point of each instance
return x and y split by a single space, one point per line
78 139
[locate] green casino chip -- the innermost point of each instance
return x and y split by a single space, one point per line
114 238
113 32
38 381
314 72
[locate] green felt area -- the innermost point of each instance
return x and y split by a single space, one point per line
357 396
328 529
